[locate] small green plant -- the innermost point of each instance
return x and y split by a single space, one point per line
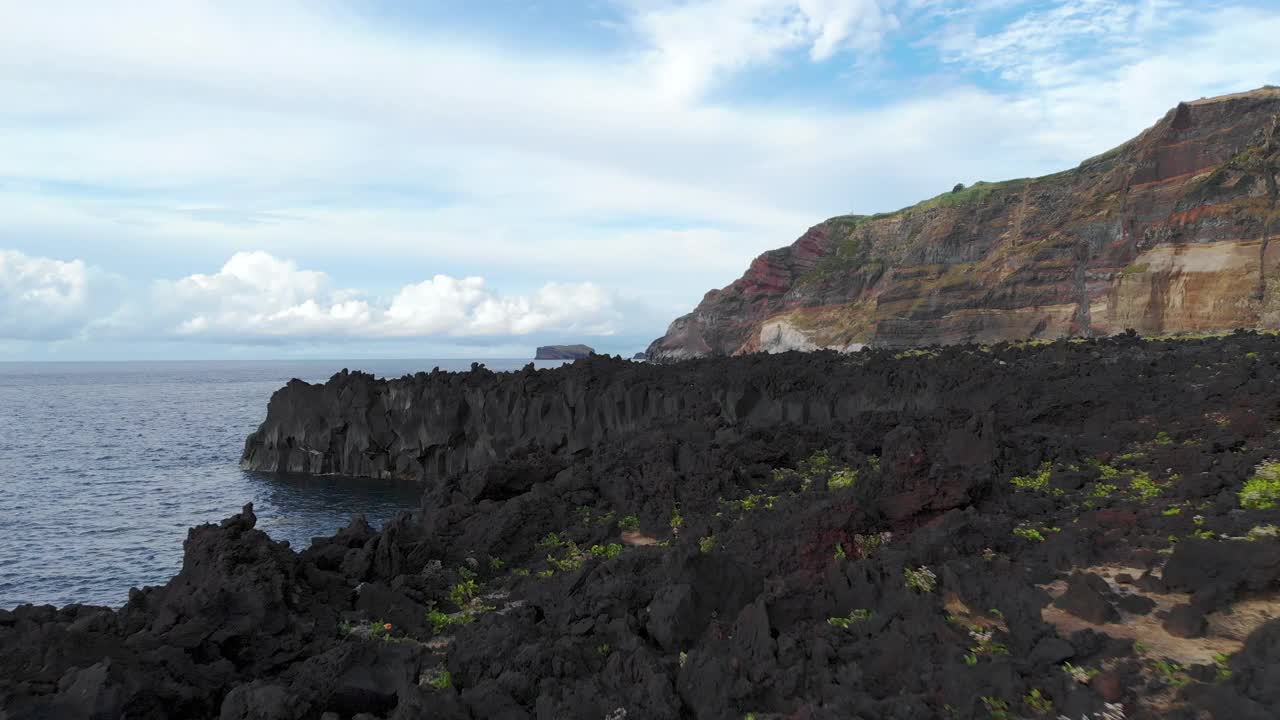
1172 673
840 553
707 544
1038 703
552 540
677 520
1102 490
874 462
1144 488
986 645
1081 675
1259 532
604 649
441 680
1262 491
684 657
521 572
544 574
463 593
842 479
752 502
998 708
1223 663
496 563
1171 511
815 468
914 353
866 545
1028 533
920 579
441 621
612 550
1204 534
970 659
380 630
1038 482
630 523
856 615
572 560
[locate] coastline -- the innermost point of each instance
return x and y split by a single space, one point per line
885 514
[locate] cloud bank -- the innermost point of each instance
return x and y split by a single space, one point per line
41 298
256 297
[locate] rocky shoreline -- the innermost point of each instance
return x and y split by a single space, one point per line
1068 529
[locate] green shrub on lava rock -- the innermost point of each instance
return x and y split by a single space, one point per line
921 579
1259 532
1038 482
842 479
630 523
612 550
1028 533
572 560
998 708
462 593
1143 488
440 680
1262 491
855 616
816 468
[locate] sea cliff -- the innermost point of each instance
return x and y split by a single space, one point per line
1171 232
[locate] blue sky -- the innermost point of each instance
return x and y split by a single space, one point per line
442 179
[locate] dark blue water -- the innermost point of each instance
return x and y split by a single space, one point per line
104 467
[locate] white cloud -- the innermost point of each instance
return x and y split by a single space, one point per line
692 43
41 298
256 296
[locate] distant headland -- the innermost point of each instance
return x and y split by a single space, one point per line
563 352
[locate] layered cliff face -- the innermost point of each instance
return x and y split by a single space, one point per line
1171 232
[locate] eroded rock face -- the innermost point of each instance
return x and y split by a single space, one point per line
1171 232
430 426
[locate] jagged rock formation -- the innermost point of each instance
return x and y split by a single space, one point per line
735 541
563 352
1171 232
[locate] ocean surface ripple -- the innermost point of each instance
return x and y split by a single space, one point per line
106 465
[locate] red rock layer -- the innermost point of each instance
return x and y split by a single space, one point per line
1171 232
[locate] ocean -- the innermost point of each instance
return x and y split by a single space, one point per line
105 465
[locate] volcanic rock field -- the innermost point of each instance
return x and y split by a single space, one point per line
1067 529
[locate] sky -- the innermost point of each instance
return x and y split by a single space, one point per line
189 180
